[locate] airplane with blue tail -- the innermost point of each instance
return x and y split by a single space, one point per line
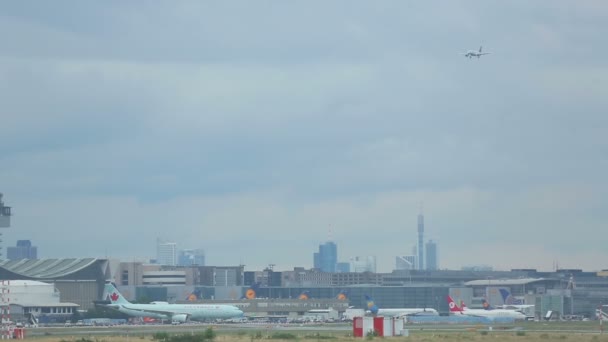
512 303
509 299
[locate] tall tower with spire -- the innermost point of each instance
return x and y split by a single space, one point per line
420 241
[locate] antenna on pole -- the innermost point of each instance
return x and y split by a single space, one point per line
329 234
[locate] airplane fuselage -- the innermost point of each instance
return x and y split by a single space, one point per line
471 54
193 312
407 312
496 313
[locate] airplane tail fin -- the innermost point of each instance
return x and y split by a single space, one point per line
508 298
343 295
505 295
486 305
453 307
194 296
304 295
251 292
480 47
111 294
371 306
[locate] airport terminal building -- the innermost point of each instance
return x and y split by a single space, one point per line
30 298
77 281
80 281
564 292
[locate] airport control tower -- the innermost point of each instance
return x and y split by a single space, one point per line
5 219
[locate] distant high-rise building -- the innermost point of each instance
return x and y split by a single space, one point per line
420 241
343 267
23 250
363 264
189 257
406 262
431 256
166 253
327 257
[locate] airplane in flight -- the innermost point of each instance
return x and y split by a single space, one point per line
178 313
373 309
473 53
487 313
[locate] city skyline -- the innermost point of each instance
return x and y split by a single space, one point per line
247 129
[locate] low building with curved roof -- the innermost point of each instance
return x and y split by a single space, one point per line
78 280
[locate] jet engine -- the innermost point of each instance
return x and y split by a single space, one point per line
180 318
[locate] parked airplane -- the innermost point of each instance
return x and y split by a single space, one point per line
473 53
490 314
179 313
511 303
373 309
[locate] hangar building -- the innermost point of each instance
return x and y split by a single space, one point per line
78 280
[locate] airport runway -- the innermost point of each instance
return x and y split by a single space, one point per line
150 329
341 329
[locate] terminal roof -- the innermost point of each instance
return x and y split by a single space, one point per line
502 282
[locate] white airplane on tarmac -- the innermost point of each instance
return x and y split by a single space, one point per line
178 313
376 311
490 314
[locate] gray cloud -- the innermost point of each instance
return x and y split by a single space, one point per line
248 125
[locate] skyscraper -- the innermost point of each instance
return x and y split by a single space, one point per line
327 257
420 241
166 253
431 256
23 250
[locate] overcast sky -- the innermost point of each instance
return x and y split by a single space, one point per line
251 129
